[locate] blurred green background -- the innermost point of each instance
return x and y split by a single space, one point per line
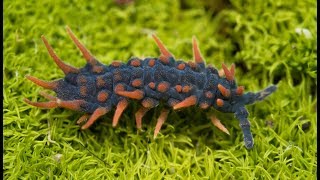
271 42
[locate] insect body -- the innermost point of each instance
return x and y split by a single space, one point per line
96 88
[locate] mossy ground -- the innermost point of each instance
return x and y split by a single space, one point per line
260 38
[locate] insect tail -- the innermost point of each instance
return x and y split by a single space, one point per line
259 96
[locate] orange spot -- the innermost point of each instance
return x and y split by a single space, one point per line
225 92
209 94
163 87
117 76
151 62
189 101
82 79
83 90
178 88
97 69
136 83
186 89
135 63
240 90
102 96
220 102
119 87
116 64
181 66
100 81
204 105
152 85
136 94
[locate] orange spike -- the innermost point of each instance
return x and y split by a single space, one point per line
48 96
232 69
72 105
64 67
229 74
220 102
196 51
216 122
96 114
240 90
136 94
85 52
49 105
83 118
162 118
139 114
165 54
189 101
225 92
44 84
121 106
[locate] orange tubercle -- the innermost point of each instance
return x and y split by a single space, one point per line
224 91
240 90
136 83
163 87
102 96
220 102
135 63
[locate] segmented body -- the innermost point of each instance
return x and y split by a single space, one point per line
96 88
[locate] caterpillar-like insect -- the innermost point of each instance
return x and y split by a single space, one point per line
96 88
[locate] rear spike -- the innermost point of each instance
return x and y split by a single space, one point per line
49 105
64 67
72 105
136 94
229 73
45 84
139 115
224 91
162 118
48 96
96 114
189 101
196 51
85 52
165 54
216 122
121 106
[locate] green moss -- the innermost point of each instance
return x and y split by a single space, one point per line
260 38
